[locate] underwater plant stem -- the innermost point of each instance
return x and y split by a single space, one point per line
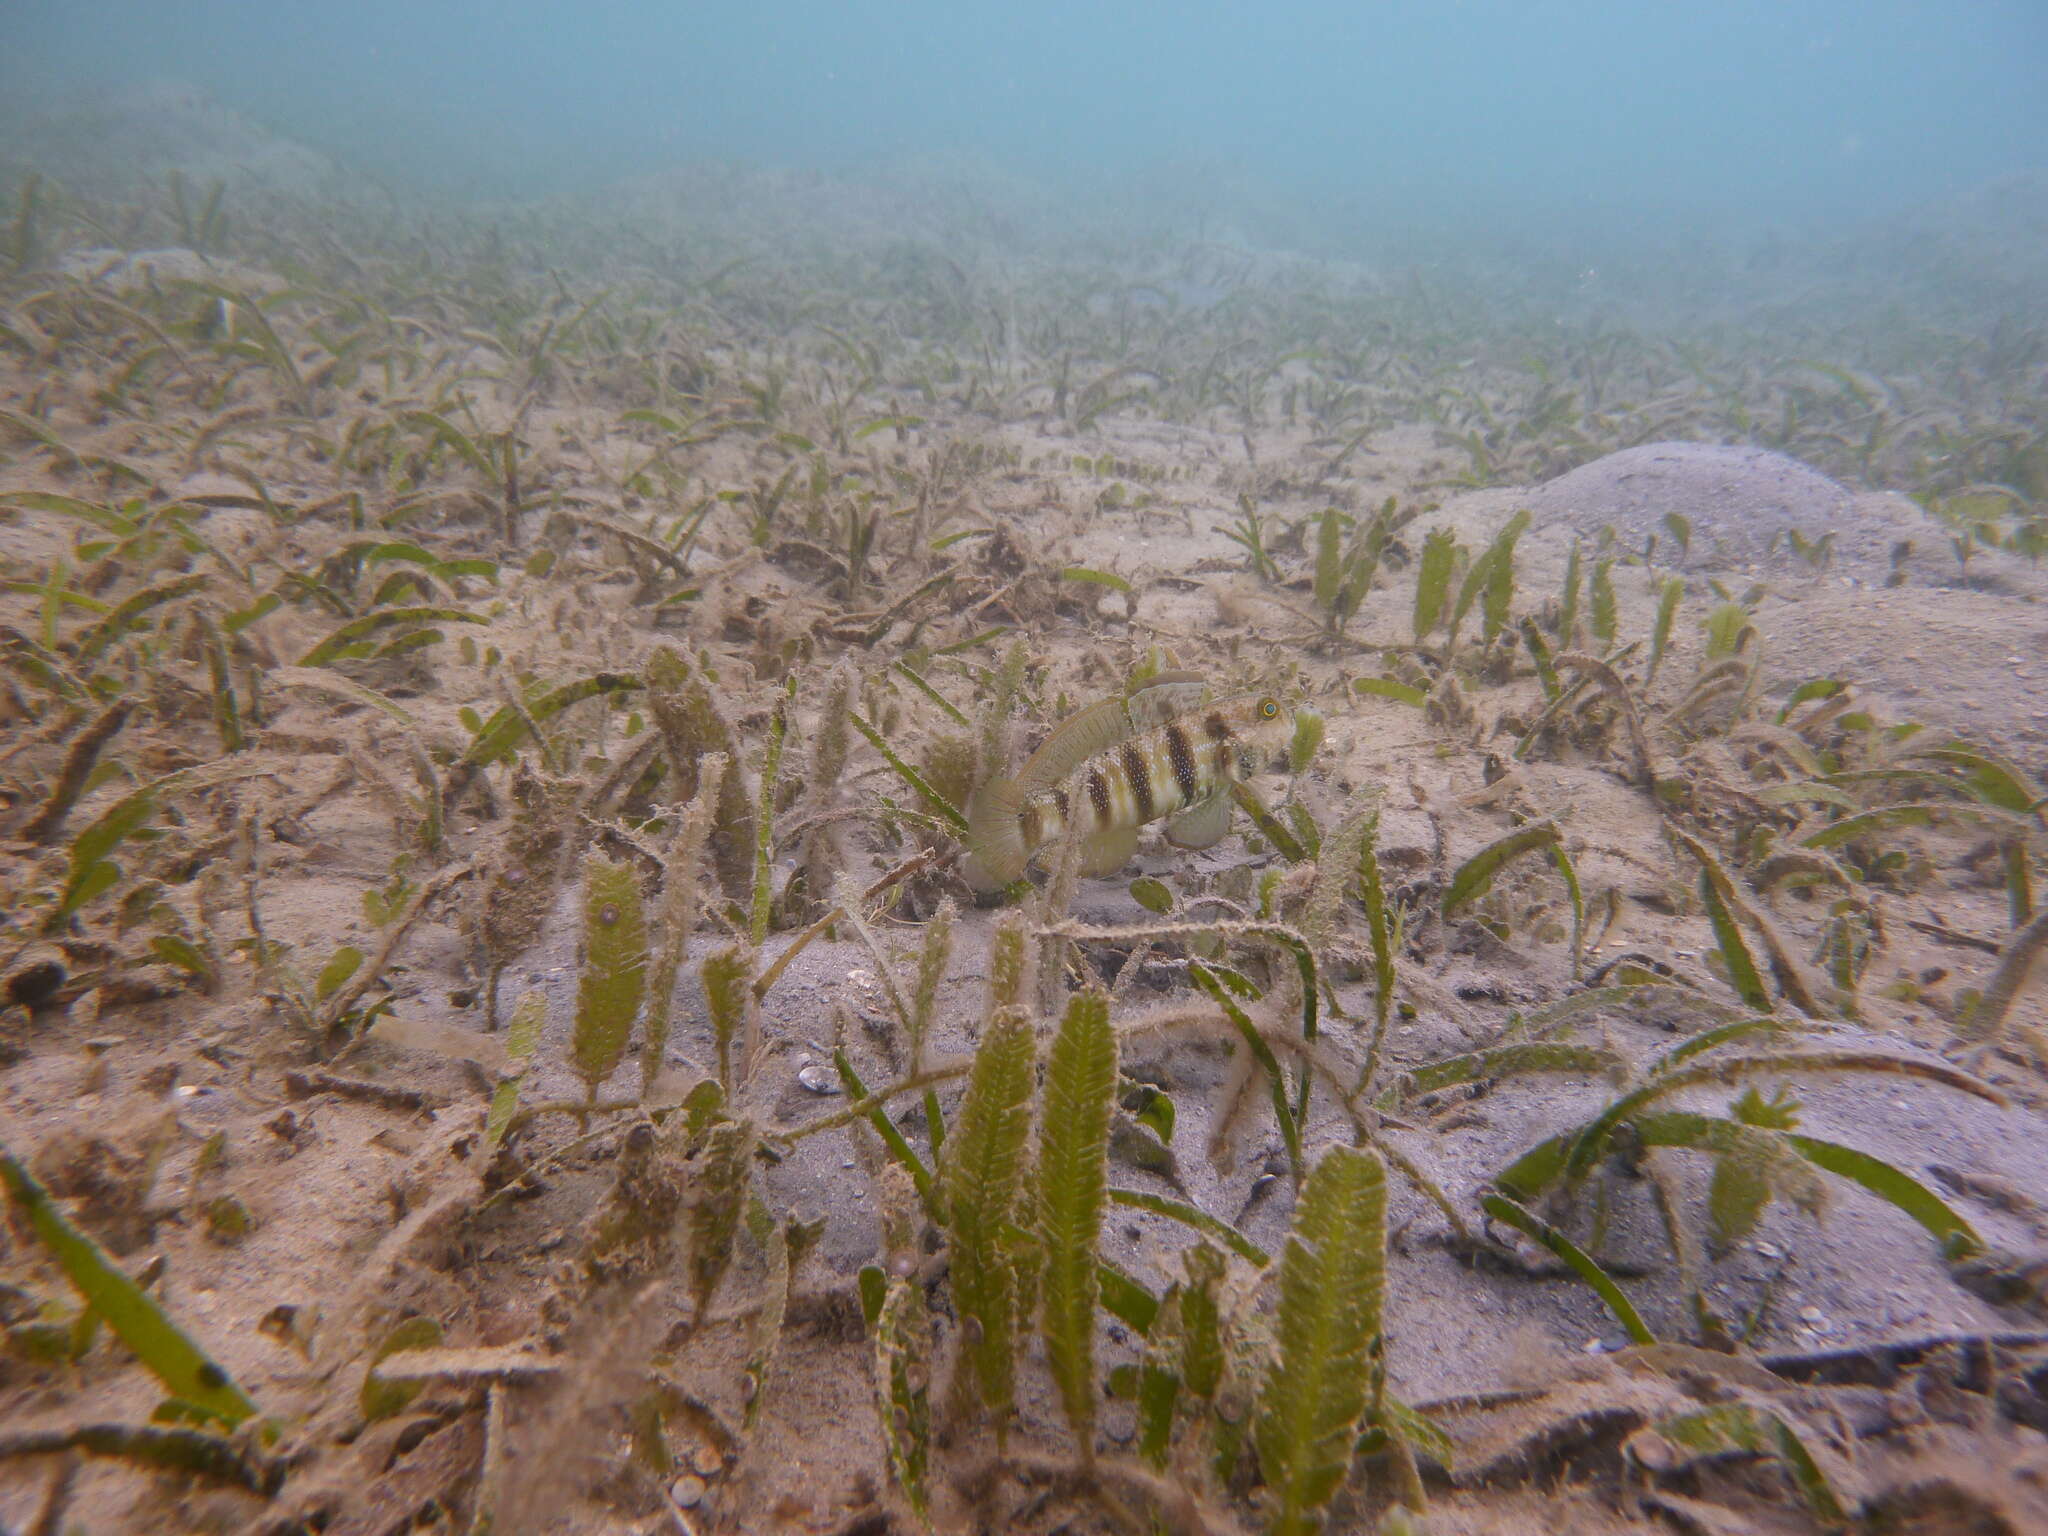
78 765
764 818
865 1105
367 974
2021 951
903 871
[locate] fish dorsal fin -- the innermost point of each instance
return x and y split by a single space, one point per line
1108 723
1203 824
1164 697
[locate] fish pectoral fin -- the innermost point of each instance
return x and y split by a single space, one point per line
1108 851
1201 825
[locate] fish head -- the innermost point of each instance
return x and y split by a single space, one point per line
1263 726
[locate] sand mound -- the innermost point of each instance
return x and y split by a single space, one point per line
123 271
129 141
1959 661
1740 501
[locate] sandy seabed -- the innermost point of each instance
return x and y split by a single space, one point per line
367 575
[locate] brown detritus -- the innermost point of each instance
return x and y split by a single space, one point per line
305 1085
83 753
112 1176
188 1452
516 886
35 976
693 725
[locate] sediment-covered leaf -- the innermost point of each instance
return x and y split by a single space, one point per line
902 1334
508 727
1196 1218
1717 892
357 629
727 976
93 870
1433 580
613 979
766 1334
1727 1427
382 1397
718 1191
1212 982
521 1037
1510 1061
1476 875
1201 1331
1501 1208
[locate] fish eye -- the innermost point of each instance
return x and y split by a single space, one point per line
1268 709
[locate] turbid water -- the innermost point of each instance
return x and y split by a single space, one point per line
523 548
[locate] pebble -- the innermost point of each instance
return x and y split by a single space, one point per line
687 1491
817 1080
1814 1318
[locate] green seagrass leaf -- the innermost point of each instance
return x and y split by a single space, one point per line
1332 1286
1073 1159
980 1184
183 1369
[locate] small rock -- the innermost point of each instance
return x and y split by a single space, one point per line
687 1491
816 1079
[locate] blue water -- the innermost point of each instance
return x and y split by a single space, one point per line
1723 112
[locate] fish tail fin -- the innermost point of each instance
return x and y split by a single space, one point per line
995 831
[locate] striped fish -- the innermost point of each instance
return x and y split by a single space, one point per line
1118 765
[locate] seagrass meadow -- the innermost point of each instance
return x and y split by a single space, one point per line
502 1026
